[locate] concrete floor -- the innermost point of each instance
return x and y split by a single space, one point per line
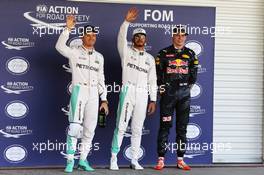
147 171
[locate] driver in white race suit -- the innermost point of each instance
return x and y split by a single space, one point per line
87 85
139 80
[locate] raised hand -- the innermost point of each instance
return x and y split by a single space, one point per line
132 14
70 22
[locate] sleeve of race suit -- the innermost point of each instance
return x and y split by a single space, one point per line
193 69
101 81
61 46
160 66
152 81
122 41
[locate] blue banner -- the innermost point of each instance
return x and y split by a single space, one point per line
36 79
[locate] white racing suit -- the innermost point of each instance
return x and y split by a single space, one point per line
87 84
138 79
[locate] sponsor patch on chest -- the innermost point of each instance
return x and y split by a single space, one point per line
82 58
185 56
84 66
140 69
170 55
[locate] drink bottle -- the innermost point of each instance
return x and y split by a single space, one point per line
102 118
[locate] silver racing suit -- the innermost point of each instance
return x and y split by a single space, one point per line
139 80
87 85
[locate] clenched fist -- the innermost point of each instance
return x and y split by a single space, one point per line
70 22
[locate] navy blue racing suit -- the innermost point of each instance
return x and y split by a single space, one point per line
176 73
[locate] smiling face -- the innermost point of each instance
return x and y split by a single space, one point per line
89 39
139 40
178 40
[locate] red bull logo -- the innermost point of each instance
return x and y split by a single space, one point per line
178 63
178 66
